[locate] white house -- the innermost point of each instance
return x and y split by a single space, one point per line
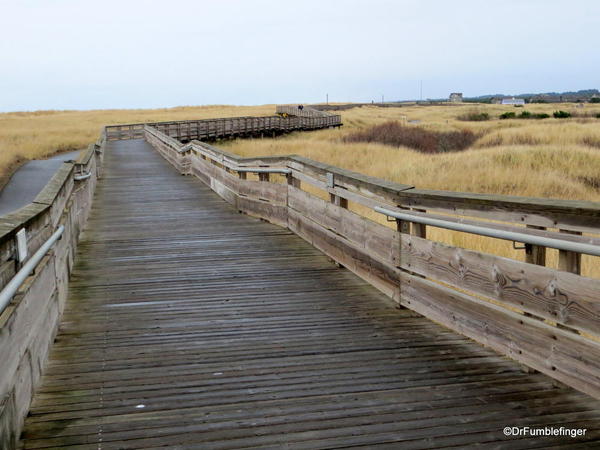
513 101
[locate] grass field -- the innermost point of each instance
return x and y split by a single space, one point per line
36 135
556 158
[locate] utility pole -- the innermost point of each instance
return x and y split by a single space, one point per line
421 90
382 99
327 99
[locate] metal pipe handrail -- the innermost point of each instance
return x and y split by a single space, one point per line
82 176
578 247
15 283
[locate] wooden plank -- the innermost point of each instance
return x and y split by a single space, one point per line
555 295
551 350
552 213
569 261
535 254
272 192
379 241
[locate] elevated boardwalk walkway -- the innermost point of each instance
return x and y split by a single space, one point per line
189 325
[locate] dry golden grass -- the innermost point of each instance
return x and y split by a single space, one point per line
538 158
36 135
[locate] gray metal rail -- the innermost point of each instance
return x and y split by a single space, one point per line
15 283
588 249
82 176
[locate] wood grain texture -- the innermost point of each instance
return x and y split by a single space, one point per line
192 326
556 295
563 355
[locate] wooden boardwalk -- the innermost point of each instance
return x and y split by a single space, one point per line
192 326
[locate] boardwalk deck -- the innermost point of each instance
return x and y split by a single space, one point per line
192 326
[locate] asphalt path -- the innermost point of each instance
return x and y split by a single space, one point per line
27 182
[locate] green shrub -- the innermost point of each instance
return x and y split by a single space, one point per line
508 115
474 116
598 116
524 115
595 100
561 114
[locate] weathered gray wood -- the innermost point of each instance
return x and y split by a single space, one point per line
535 254
375 239
569 261
419 229
373 251
555 295
191 325
552 213
561 354
30 321
212 129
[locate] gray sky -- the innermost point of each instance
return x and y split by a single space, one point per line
66 54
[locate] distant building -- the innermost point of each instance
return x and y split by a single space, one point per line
513 101
456 97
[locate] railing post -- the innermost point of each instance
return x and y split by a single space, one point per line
263 177
569 261
419 229
535 254
242 175
338 201
403 227
291 181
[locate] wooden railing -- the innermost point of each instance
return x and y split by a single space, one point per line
546 318
29 322
212 129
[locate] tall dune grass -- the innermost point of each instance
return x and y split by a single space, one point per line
39 134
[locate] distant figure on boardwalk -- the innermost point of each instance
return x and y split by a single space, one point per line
300 107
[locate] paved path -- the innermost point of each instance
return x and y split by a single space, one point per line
28 181
192 326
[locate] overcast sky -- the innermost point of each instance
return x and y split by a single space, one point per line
66 54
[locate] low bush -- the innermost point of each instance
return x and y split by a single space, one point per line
595 100
474 116
561 114
508 115
523 115
420 139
